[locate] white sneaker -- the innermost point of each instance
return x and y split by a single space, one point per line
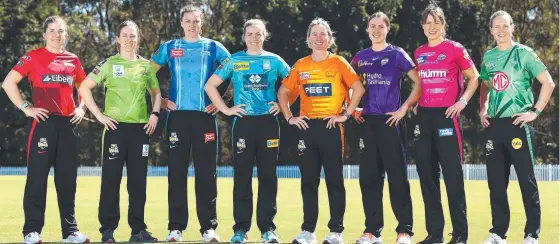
32 238
368 238
495 239
76 237
403 238
174 236
305 237
210 236
530 240
333 238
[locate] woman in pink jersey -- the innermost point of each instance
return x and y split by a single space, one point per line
437 136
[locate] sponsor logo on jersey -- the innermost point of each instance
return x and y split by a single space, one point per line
272 143
266 64
20 63
364 63
304 75
254 82
26 58
516 143
204 53
114 149
61 79
428 54
176 53
145 150
95 71
384 61
420 60
500 81
43 143
209 137
441 57
318 89
432 73
374 79
238 66
446 132
118 71
330 73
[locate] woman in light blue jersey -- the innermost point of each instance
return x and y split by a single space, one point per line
191 125
255 133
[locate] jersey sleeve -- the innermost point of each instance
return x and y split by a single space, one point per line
283 68
100 73
462 57
161 55
152 77
225 69
354 62
404 62
25 65
484 71
80 73
531 62
292 80
221 52
349 76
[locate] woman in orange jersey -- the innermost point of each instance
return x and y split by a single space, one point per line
323 80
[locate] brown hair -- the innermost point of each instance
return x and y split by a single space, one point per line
190 9
258 23
382 16
52 19
125 24
500 13
436 12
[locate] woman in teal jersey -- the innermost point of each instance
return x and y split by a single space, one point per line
126 77
255 133
506 106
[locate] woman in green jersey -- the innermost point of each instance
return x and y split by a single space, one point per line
126 77
507 105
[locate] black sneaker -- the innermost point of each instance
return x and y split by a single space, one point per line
461 239
143 236
108 237
430 239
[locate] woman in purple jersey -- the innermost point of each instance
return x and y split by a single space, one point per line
381 147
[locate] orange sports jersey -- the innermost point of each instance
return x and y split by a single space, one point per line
322 86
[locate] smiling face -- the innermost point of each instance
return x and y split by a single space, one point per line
502 29
254 37
55 34
192 24
319 38
433 27
377 30
128 39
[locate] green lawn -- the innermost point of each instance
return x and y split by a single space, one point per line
289 215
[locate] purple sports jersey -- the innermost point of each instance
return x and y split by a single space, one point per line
380 72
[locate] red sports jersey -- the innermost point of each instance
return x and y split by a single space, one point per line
52 77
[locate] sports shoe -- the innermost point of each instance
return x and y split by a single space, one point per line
368 238
32 238
495 239
143 236
403 238
107 237
270 237
239 237
305 237
174 236
462 239
530 240
76 237
333 238
210 236
430 239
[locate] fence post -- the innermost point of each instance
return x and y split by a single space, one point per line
550 172
467 169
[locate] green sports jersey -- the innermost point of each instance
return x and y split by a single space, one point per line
510 74
126 82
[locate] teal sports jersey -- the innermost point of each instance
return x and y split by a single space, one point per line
254 79
510 74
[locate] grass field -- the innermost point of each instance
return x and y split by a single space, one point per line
288 219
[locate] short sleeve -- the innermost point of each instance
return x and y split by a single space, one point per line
404 62
25 65
354 62
462 57
161 55
100 73
531 62
283 69
152 78
292 80
349 76
80 73
221 52
225 69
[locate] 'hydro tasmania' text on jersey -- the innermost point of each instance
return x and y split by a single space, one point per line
510 73
52 77
254 79
380 72
440 69
191 64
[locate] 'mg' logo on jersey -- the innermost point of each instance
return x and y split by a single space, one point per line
240 66
318 89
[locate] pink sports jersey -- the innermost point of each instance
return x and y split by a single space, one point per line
440 69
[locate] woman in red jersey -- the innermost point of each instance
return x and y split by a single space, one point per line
53 72
442 63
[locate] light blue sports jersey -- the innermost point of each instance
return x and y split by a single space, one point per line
254 79
191 64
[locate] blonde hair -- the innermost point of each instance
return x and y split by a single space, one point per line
324 23
258 23
53 19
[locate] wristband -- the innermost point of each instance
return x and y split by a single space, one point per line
536 111
463 100
156 113
24 105
290 119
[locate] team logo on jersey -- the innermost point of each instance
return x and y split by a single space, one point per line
61 79
304 75
445 132
516 143
384 61
209 137
145 150
266 64
43 143
118 71
330 73
240 144
489 147
301 145
500 81
238 66
441 57
113 149
173 138
176 53
364 63
318 89
420 60
362 145
272 143
416 130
